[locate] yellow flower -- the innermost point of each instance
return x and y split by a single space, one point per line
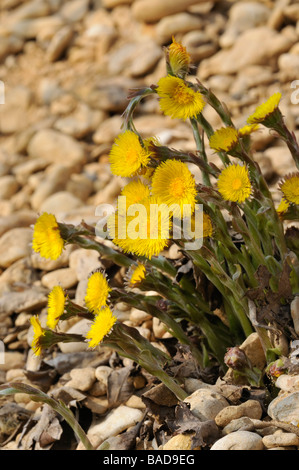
248 129
178 58
47 240
145 234
234 183
56 303
177 99
173 183
263 111
38 333
103 322
283 206
97 292
135 192
127 155
224 139
135 275
204 230
290 188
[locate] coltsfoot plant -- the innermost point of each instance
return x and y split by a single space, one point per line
239 265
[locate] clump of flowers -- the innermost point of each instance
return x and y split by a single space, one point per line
239 262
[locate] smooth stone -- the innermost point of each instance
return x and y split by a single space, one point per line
8 186
10 45
64 277
179 442
177 24
60 203
250 408
256 46
21 218
39 28
59 43
117 421
15 244
239 440
75 10
54 180
287 383
281 439
289 65
84 262
82 379
97 405
243 16
56 147
239 424
205 404
12 360
24 301
285 408
151 11
80 328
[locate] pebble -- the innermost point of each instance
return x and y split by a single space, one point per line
250 408
59 43
281 439
80 328
239 440
84 262
60 203
179 442
177 24
56 147
116 421
64 277
82 379
15 244
205 404
285 408
252 47
153 10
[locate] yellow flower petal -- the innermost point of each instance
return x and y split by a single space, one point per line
234 183
290 188
38 332
47 240
127 155
145 234
173 183
177 99
178 58
265 109
56 303
103 322
97 292
224 139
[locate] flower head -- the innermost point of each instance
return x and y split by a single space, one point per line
101 326
265 110
177 99
173 183
178 59
147 233
127 155
234 183
38 333
47 240
56 304
135 275
224 139
135 192
283 206
248 129
290 188
97 292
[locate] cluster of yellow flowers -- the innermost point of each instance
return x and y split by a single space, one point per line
161 182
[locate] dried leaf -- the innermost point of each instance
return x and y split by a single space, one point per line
120 386
206 432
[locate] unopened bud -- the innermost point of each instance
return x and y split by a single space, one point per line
235 358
